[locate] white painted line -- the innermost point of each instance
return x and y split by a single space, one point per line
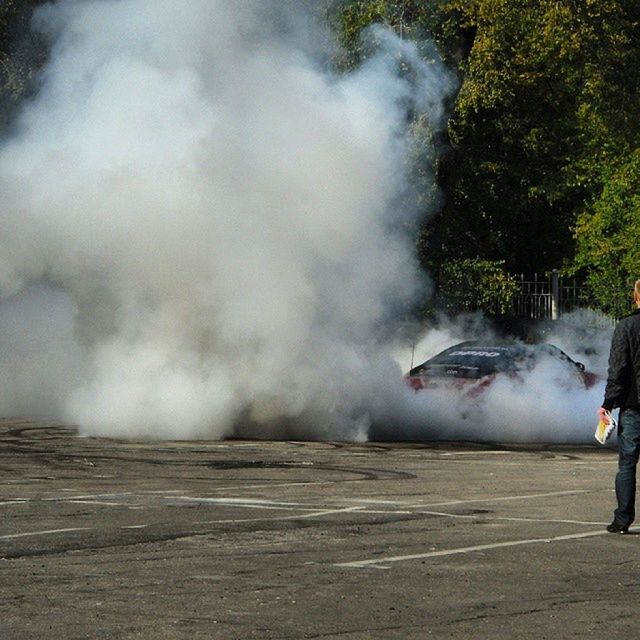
135 500
82 499
460 550
243 502
253 504
487 517
530 496
551 520
271 485
155 499
483 517
391 512
235 502
477 453
419 505
374 501
298 516
92 496
102 503
328 512
266 507
164 491
44 533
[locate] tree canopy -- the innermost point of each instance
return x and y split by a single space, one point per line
541 132
22 52
538 168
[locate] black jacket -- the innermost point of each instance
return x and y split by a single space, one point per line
623 379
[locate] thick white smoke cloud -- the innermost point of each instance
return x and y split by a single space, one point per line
200 236
214 214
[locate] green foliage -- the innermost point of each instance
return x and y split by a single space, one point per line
535 127
608 239
547 109
352 17
22 53
473 284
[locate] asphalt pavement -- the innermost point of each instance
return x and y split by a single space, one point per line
239 539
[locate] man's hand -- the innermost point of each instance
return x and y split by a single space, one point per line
603 414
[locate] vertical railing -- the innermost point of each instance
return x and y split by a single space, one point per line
547 296
550 296
533 299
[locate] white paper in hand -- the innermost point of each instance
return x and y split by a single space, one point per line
605 428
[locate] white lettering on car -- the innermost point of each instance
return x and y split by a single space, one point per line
480 354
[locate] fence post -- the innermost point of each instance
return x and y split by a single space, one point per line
555 295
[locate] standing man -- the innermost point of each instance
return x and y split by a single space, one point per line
623 382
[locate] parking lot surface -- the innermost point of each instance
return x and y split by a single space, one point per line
248 539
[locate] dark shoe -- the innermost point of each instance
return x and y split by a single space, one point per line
614 527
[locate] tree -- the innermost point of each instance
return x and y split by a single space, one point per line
472 285
608 235
548 101
22 53
535 126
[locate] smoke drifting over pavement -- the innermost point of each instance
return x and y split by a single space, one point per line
200 236
199 223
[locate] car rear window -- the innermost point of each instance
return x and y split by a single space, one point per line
471 361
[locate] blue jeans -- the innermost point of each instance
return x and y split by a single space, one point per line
629 452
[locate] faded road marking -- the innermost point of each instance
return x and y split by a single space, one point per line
44 533
481 547
410 504
530 496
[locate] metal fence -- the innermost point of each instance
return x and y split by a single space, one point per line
541 297
548 296
551 296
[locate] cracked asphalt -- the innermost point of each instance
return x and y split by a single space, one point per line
289 540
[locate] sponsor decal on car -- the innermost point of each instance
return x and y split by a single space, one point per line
478 354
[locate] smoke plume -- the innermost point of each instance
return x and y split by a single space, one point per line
200 232
203 233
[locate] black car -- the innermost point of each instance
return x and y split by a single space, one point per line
481 361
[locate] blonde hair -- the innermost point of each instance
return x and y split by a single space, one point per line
636 288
